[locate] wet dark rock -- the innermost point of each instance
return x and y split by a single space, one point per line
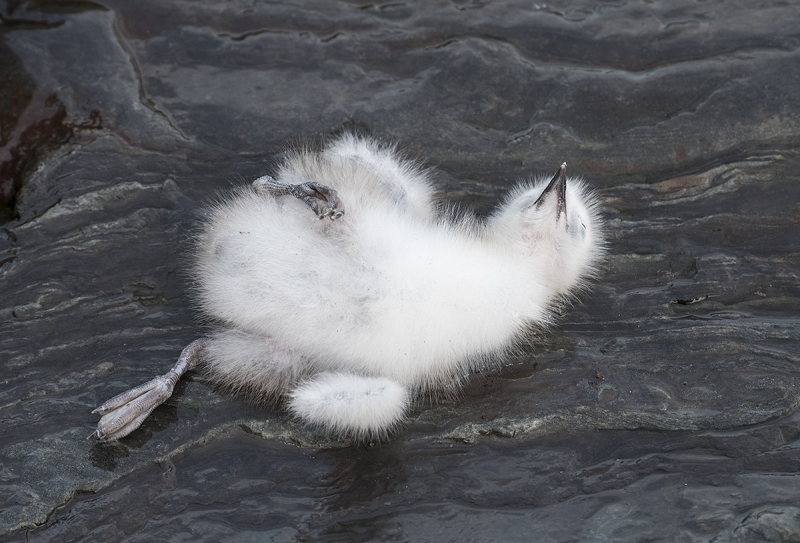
664 407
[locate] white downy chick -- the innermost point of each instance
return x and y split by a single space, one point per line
352 318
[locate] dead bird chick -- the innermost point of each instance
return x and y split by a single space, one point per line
353 317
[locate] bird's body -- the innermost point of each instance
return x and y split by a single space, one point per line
352 318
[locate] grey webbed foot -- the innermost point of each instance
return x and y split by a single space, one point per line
124 413
312 193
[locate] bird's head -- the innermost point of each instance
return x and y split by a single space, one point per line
557 225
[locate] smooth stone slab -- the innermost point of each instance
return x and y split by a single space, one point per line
673 387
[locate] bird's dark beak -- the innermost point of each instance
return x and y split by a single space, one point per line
557 185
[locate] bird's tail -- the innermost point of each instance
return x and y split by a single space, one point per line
363 407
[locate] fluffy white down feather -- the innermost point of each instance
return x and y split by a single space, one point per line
352 318
365 407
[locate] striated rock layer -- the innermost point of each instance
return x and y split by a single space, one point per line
664 408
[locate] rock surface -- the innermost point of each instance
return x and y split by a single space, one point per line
663 408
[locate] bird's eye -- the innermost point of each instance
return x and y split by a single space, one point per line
579 233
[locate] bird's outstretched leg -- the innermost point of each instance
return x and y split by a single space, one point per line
124 413
311 193
362 407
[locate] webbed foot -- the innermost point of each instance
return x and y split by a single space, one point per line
312 193
125 412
